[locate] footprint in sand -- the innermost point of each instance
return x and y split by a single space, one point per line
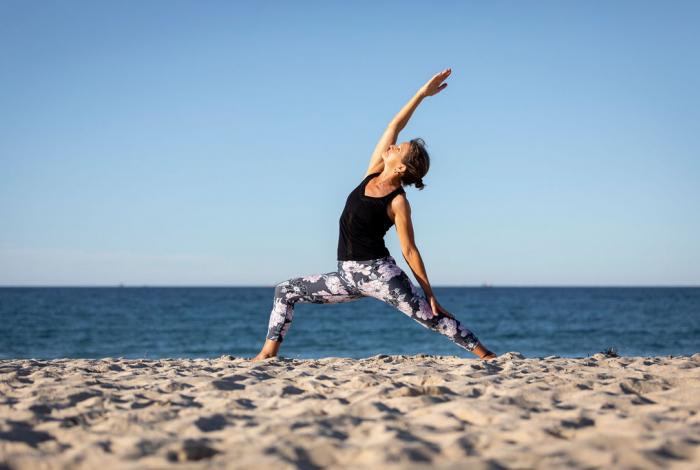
22 432
192 449
211 423
229 383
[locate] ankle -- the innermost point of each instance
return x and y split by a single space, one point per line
271 347
483 352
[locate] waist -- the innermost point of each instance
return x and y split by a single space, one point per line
388 258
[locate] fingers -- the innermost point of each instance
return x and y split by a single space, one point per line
437 309
442 75
435 83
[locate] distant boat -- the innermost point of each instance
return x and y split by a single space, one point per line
485 284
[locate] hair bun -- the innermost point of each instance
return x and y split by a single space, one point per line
419 184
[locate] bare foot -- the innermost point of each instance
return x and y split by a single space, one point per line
261 356
269 349
483 353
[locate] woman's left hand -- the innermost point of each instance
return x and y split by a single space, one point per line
437 308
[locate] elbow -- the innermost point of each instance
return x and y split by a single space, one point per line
409 251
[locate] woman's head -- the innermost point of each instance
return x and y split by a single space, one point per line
410 159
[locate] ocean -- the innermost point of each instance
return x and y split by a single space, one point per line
160 322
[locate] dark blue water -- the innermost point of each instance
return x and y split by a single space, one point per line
131 322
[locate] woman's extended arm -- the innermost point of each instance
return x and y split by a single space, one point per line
432 87
402 117
391 133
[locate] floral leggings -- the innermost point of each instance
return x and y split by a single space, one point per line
380 278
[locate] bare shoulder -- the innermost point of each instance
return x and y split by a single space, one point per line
401 215
400 201
400 206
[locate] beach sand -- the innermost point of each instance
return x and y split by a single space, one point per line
418 412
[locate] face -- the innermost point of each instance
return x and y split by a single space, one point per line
394 155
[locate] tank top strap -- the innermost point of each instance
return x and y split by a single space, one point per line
386 197
395 192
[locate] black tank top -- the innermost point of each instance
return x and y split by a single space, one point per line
363 224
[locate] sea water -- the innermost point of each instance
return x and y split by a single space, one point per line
158 322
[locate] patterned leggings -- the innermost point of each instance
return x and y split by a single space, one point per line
380 278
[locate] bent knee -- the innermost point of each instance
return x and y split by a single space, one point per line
281 289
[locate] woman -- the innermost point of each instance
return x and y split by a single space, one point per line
365 267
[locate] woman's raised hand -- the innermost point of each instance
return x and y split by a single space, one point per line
435 85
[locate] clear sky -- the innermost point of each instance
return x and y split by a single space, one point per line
214 143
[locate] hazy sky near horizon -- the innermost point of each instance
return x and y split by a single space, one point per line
214 143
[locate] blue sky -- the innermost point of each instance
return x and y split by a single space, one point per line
214 143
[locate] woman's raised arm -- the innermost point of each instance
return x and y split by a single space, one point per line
432 87
391 133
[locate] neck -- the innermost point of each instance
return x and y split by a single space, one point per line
388 178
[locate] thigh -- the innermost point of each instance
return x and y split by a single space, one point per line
389 283
324 288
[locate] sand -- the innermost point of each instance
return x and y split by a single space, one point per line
418 412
